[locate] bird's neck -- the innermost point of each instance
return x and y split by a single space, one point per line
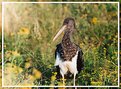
67 39
69 48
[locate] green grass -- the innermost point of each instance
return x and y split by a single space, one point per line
30 28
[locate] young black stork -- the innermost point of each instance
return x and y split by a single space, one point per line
69 56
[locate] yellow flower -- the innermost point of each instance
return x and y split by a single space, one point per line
27 64
15 53
12 34
55 73
94 20
49 66
104 48
63 79
24 31
81 44
19 69
28 59
96 83
11 68
32 78
61 84
53 77
37 74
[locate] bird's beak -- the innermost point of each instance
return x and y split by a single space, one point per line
60 31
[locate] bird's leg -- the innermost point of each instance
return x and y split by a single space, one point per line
62 78
63 81
74 78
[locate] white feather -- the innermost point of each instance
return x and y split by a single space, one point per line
57 59
67 65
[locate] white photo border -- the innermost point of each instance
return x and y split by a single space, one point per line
3 3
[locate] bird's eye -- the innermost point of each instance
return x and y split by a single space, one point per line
66 22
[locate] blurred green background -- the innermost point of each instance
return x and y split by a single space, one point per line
29 50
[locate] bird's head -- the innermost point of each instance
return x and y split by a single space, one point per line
69 23
68 26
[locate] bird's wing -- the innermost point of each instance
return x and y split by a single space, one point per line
57 61
57 54
80 60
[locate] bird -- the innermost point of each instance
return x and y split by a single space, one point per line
68 55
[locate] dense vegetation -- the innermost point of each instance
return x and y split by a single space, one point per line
29 50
